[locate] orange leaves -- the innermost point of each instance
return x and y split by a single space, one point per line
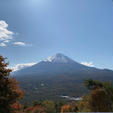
69 108
16 106
10 93
36 109
14 86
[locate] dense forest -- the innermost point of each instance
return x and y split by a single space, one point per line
99 99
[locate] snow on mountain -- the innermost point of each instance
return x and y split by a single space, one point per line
59 58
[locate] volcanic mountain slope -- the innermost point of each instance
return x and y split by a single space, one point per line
58 75
58 63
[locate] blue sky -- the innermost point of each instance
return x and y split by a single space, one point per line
32 30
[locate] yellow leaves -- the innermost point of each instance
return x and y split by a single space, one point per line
98 101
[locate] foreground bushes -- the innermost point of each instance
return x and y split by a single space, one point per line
100 98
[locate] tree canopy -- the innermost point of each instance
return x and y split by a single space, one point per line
10 93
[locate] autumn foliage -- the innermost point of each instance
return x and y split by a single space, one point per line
10 93
34 109
69 108
100 98
98 101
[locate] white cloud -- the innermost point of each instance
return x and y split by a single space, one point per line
6 41
2 44
20 43
22 66
89 64
5 34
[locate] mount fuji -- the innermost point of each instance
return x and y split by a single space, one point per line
57 63
58 75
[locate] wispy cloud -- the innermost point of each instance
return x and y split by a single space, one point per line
89 64
19 43
6 41
6 36
21 66
2 44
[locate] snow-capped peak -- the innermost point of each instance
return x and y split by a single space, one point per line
59 58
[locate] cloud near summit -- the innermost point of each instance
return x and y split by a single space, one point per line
21 66
89 64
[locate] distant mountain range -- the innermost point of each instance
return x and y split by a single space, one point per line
58 75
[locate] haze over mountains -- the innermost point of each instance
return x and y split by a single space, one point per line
58 75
